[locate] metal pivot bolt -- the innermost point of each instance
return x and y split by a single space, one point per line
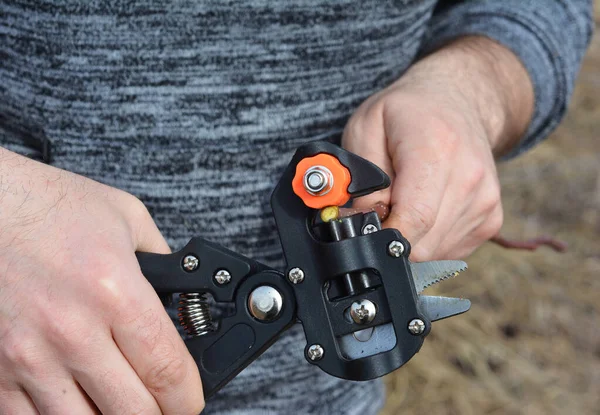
222 277
315 352
265 303
190 263
416 326
363 311
369 228
318 180
296 275
396 249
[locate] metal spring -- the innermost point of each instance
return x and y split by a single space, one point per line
194 314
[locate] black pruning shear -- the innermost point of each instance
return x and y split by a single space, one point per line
347 280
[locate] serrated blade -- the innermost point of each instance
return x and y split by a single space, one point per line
428 273
437 308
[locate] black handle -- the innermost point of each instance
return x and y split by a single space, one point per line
238 339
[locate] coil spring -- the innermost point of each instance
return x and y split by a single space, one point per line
194 314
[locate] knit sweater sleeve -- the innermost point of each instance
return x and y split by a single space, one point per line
550 38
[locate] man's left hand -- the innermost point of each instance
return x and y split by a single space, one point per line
436 132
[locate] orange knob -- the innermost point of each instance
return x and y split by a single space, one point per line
322 181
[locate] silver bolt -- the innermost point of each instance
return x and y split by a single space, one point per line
396 249
265 303
296 275
369 228
315 352
190 263
318 180
222 276
363 311
416 326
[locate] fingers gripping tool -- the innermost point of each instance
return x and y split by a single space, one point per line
347 280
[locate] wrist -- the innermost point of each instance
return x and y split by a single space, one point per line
489 83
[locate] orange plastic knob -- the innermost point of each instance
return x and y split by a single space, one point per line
322 181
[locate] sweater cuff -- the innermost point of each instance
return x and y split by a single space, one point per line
533 39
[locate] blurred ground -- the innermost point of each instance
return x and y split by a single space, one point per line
531 342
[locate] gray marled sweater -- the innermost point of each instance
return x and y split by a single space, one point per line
197 106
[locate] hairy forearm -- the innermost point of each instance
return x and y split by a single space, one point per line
489 80
507 97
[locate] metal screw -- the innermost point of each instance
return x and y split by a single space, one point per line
315 352
396 249
190 263
222 276
369 228
416 326
265 303
296 275
363 311
318 180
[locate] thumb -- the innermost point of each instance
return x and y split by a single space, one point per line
364 136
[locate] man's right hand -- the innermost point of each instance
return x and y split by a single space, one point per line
81 329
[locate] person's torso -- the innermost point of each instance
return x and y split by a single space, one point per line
196 107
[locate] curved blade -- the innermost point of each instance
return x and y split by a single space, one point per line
426 274
437 308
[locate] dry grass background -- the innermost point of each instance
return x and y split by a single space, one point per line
531 342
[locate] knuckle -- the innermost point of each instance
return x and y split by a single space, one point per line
135 211
139 209
169 371
22 353
492 225
60 327
475 176
73 337
491 201
362 118
354 127
420 217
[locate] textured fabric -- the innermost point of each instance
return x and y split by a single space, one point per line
197 106
550 38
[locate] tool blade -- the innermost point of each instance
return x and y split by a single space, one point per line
437 308
428 273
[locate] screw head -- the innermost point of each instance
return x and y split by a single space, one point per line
315 352
296 275
396 249
222 277
416 326
190 263
318 180
265 303
369 228
363 311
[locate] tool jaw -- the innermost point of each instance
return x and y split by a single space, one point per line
346 262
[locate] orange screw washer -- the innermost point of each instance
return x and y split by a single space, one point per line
336 193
